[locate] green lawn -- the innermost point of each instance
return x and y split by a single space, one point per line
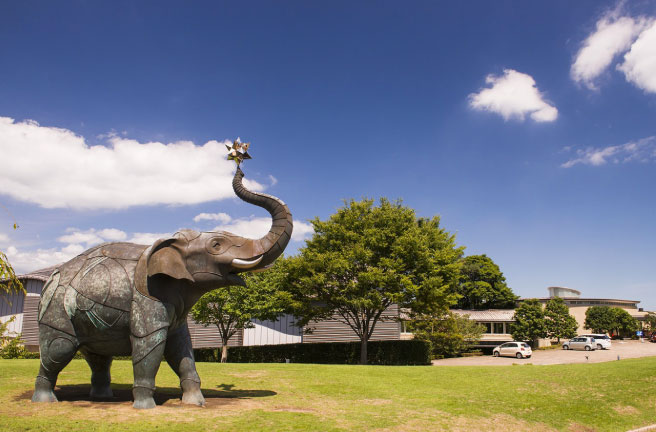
612 396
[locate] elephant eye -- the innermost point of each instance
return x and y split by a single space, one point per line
217 245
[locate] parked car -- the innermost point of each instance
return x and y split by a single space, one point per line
513 349
581 343
602 340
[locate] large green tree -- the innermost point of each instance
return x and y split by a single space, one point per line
365 258
481 285
625 324
560 324
650 320
606 319
599 319
233 308
530 324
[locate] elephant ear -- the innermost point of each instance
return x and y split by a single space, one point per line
167 257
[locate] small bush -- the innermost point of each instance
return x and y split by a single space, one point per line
207 355
14 349
411 352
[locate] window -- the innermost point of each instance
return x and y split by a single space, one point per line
488 327
498 328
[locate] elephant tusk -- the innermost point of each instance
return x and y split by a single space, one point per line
243 264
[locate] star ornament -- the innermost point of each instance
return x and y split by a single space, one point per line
238 152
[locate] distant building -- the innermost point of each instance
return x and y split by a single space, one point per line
497 322
579 305
24 308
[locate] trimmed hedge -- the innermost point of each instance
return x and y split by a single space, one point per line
406 352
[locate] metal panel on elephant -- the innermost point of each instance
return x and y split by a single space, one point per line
104 281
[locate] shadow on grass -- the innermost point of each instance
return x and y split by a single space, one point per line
224 394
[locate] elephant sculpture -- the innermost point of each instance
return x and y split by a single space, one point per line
120 299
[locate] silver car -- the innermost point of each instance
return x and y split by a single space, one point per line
513 349
581 343
602 340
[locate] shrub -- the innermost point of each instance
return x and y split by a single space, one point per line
450 335
412 352
14 349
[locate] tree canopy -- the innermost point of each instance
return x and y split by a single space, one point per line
529 322
606 319
559 322
482 285
650 320
365 258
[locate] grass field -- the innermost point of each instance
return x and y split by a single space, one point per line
614 396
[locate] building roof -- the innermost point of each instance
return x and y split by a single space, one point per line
583 299
487 315
41 274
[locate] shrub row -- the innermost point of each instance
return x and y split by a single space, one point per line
14 349
406 352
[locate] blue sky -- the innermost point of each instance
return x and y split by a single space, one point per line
528 127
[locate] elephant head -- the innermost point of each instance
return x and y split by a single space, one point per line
216 258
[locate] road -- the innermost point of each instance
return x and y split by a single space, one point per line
623 349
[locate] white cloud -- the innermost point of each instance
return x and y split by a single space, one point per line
639 65
147 238
76 241
302 231
92 236
4 238
24 262
55 168
221 217
612 37
643 150
256 227
112 234
513 95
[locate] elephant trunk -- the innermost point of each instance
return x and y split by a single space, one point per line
271 246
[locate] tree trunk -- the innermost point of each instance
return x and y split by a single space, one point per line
363 351
224 353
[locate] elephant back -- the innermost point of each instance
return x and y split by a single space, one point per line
97 283
104 281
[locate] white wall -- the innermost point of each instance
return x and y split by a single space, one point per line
273 332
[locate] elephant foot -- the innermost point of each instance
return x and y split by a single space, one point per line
44 396
193 398
43 391
191 393
104 392
143 398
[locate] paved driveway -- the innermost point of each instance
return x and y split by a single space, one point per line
623 349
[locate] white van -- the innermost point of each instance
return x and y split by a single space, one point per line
602 340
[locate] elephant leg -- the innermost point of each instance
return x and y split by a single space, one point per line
57 350
147 353
180 356
100 375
